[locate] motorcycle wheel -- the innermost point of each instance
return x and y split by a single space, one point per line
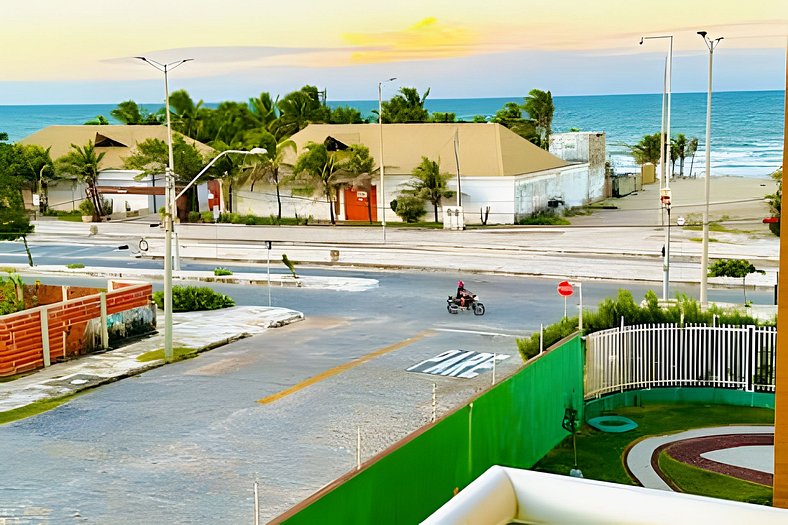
452 308
478 309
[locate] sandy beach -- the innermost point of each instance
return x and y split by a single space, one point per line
738 200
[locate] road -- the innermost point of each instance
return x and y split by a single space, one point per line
183 443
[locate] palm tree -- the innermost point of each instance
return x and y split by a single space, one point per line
407 106
359 169
84 164
539 106
264 109
316 164
647 150
186 114
692 148
129 113
430 183
268 167
678 150
98 120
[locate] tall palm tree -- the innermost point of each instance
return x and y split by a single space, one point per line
268 167
539 106
647 150
323 168
406 106
430 183
359 169
264 109
297 110
84 164
186 114
678 150
692 148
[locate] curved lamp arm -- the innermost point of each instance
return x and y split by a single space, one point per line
254 151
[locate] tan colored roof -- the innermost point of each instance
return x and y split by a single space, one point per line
119 140
485 150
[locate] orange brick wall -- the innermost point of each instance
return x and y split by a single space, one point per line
21 346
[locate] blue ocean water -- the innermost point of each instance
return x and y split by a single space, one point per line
747 126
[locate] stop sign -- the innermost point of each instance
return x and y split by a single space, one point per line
565 289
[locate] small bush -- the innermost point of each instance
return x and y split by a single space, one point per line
75 266
544 218
222 271
410 208
194 298
86 207
207 216
528 348
194 216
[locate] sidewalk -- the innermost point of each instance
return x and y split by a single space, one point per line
193 329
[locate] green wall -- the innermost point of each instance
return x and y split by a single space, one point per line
710 396
514 424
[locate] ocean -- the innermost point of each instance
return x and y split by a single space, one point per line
747 126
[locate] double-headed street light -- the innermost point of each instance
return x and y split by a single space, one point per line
664 157
704 262
380 160
169 204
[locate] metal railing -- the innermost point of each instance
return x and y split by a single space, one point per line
666 355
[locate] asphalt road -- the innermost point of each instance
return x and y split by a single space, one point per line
183 443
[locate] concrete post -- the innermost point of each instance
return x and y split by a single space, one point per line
45 335
104 328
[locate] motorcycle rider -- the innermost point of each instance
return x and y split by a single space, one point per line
463 296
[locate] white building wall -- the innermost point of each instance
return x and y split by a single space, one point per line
262 202
480 192
570 184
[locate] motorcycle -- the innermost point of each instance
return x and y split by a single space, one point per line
454 305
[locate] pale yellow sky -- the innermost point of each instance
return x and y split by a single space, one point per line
83 41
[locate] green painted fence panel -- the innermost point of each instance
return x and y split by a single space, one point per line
709 396
513 424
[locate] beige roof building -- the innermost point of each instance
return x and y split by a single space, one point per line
116 141
484 149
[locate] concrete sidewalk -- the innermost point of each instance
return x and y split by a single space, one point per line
197 330
638 458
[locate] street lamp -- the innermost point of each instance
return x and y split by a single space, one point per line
664 156
704 262
380 125
169 204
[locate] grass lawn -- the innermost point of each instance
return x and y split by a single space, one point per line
35 408
693 480
600 454
178 353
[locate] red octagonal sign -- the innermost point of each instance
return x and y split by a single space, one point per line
565 289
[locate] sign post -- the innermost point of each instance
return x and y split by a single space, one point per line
565 290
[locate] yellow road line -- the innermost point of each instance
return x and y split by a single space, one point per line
343 367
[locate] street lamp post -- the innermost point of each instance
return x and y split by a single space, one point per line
664 156
704 262
382 179
169 190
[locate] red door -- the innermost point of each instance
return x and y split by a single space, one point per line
359 204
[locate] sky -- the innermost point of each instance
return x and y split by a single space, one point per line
82 51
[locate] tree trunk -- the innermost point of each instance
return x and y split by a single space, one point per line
27 250
330 207
744 288
681 166
692 163
94 196
435 209
278 196
230 196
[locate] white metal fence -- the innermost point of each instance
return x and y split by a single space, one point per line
666 355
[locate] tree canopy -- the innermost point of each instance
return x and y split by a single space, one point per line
737 268
406 106
429 184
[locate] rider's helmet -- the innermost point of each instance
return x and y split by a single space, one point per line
460 284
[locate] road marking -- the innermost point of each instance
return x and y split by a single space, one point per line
477 332
343 368
458 363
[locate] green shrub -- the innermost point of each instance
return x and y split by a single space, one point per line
410 208
9 301
194 216
86 207
528 348
75 266
207 216
222 271
545 218
194 298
